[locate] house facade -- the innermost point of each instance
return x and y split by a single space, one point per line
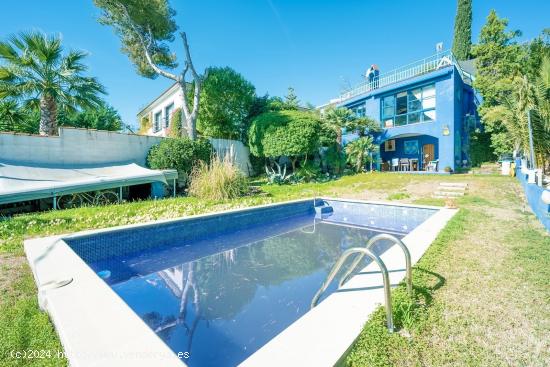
160 110
426 110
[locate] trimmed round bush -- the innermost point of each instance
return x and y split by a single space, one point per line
181 154
285 133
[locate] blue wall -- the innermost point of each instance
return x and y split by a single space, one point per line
533 193
453 101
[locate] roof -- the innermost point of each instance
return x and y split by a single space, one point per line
25 181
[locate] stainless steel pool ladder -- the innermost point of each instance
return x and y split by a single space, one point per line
370 243
365 251
386 279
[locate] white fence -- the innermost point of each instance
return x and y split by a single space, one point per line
420 67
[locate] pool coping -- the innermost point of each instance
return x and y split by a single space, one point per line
76 308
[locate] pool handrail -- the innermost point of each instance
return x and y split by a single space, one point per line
370 243
385 278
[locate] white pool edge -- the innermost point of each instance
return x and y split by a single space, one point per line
118 337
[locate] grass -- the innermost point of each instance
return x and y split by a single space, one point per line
398 196
481 289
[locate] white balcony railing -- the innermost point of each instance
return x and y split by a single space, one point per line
435 62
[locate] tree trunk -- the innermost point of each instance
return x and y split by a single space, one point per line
192 127
339 137
48 115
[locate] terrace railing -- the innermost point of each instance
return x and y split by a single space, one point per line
435 62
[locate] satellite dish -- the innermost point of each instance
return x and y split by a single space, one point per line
439 47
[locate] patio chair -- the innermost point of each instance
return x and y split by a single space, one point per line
395 164
432 166
404 164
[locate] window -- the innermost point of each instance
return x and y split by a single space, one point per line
415 100
167 114
389 146
401 103
388 107
156 122
409 107
359 111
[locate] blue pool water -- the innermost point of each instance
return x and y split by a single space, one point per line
222 295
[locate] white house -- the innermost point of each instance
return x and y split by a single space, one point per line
160 110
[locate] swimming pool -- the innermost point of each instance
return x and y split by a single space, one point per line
220 287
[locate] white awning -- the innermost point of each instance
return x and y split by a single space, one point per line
25 181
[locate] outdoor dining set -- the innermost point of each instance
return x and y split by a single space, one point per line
412 164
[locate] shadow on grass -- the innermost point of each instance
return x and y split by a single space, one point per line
426 291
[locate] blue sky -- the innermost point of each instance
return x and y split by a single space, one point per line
317 47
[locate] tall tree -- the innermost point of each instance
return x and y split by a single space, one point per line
36 73
499 60
226 102
462 41
527 96
291 101
146 28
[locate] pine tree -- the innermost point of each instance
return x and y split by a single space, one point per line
462 41
291 100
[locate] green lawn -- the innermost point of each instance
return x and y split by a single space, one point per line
481 290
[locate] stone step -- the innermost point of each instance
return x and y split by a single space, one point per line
451 188
449 193
453 184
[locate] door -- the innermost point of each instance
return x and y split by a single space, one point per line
428 154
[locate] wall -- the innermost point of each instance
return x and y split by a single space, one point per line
533 193
95 147
240 152
76 146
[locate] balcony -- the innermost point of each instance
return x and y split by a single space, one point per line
435 62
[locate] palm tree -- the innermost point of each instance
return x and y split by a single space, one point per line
36 73
528 95
344 118
358 150
12 117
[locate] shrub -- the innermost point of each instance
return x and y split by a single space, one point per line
309 172
481 150
279 177
334 159
144 125
180 154
219 180
284 133
175 124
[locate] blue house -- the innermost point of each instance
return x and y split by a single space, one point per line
426 109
